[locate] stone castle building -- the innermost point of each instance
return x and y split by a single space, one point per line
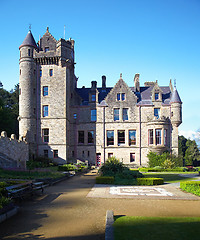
64 122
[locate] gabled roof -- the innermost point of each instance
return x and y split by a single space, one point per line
29 41
175 97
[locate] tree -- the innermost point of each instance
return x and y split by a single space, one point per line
192 152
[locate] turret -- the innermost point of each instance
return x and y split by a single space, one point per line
27 85
176 108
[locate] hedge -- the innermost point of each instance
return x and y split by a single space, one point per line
191 187
163 170
104 180
150 181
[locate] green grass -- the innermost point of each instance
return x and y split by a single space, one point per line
8 174
156 228
168 177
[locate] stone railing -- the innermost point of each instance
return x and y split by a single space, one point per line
14 153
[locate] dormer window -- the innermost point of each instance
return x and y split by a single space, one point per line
46 49
93 97
156 96
121 96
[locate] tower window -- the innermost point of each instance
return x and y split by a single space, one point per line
55 153
46 49
45 135
116 114
50 72
45 91
91 137
132 137
158 136
110 138
121 137
93 115
29 52
80 136
132 157
46 154
45 111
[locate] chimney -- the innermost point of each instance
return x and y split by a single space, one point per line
137 82
93 85
103 83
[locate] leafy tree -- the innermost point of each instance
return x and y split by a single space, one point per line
192 152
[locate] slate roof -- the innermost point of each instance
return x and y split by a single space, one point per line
144 96
175 97
29 41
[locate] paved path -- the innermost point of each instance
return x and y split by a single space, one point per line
64 212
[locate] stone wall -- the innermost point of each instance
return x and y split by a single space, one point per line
15 152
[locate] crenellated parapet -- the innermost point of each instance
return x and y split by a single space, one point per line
13 152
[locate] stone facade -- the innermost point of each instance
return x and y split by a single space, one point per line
13 152
64 122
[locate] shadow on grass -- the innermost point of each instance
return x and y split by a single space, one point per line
156 228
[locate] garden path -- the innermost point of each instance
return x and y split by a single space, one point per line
64 212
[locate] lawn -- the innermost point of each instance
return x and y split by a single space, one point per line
156 228
168 177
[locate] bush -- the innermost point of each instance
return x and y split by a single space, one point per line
150 181
67 167
104 180
155 169
191 187
112 166
129 174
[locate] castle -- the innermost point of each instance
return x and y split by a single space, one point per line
63 122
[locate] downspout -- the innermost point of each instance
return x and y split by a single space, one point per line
37 106
140 134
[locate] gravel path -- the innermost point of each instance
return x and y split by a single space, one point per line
64 212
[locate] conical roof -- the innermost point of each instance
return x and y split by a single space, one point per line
29 41
175 98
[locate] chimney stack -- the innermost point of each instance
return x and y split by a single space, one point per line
93 85
104 83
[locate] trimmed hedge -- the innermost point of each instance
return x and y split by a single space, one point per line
163 170
191 187
67 167
150 181
104 180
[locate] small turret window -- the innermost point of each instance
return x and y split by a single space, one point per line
29 52
50 72
46 49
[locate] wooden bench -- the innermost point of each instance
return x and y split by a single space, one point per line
38 186
19 190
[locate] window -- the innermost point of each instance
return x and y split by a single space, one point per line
121 137
46 154
125 114
91 137
45 135
75 115
46 49
123 96
150 135
45 111
118 97
55 153
93 97
116 114
20 91
132 137
83 154
156 96
110 155
88 153
29 52
132 157
110 138
34 90
34 111
45 91
40 73
20 71
165 137
50 72
157 112
93 115
80 136
72 153
158 136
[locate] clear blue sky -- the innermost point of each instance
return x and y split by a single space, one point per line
156 38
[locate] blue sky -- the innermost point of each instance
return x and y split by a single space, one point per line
156 38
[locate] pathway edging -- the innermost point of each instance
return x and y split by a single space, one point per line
109 233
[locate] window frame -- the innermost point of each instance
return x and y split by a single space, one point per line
91 138
132 142
51 72
45 135
55 153
150 136
157 112
81 139
45 110
158 137
125 115
109 141
121 140
45 92
93 97
115 115
132 157
93 117
165 137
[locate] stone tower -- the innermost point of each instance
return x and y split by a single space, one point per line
27 86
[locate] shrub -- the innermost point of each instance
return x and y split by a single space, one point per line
67 167
4 201
112 166
150 181
129 174
104 180
191 187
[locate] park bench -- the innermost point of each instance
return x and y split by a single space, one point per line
37 186
19 190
